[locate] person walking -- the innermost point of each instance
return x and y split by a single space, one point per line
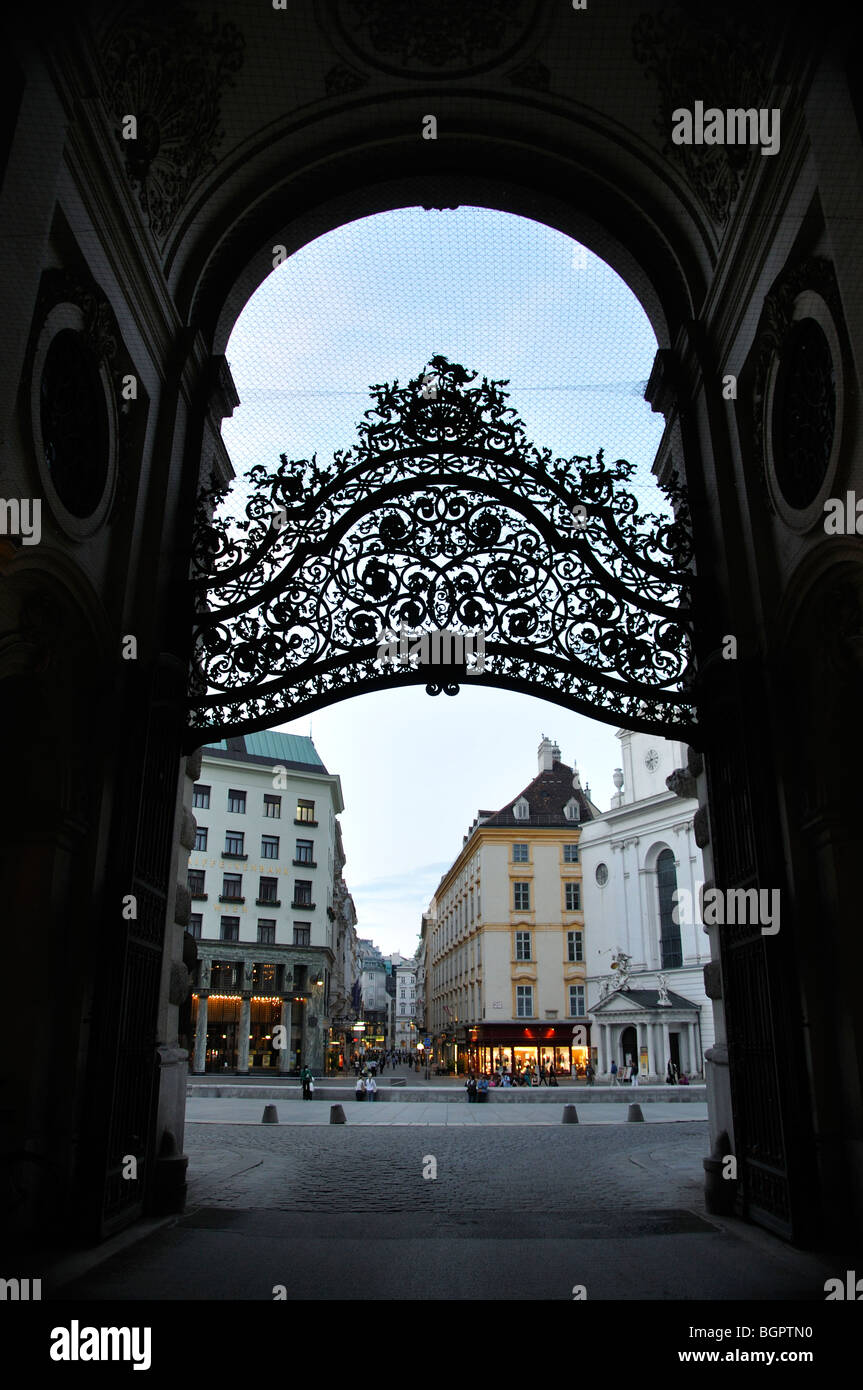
371 1088
543 1075
308 1084
360 1088
613 1072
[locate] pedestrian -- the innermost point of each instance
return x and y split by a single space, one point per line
308 1084
470 1087
383 1062
360 1087
371 1088
543 1075
613 1072
635 1073
589 1073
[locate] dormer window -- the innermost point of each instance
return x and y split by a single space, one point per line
572 810
521 809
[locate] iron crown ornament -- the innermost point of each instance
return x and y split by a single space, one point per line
445 518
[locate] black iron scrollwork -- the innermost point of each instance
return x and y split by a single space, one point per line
442 516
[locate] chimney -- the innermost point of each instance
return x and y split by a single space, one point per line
546 754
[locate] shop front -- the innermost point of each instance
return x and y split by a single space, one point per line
515 1048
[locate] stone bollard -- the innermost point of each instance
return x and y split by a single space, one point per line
337 1115
634 1114
570 1115
270 1116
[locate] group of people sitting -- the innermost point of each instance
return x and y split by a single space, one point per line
521 1077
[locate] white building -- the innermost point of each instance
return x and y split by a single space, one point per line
405 1036
645 957
261 879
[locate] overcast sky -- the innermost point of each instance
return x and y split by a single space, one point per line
372 302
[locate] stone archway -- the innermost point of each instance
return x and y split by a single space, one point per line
260 150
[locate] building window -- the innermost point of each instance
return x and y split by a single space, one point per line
572 809
302 890
575 945
196 922
201 837
226 975
267 931
305 851
570 854
236 802
522 945
306 812
232 887
521 897
602 874
670 949
573 897
272 806
269 846
201 796
230 929
576 1001
196 883
264 978
524 1001
302 934
267 890
521 809
234 841
519 854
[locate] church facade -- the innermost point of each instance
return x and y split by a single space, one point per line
645 958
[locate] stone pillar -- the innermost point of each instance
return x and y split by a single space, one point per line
666 1049
694 1059
652 1030
285 1023
245 1023
200 1059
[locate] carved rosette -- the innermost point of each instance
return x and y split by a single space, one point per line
720 57
443 40
169 70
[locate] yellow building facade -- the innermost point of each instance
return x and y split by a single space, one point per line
506 977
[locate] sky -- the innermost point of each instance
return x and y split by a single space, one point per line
373 301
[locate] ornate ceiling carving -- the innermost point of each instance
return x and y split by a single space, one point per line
720 57
169 69
443 40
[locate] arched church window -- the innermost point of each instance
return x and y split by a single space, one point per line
670 951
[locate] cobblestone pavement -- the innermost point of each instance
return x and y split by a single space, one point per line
514 1212
337 1169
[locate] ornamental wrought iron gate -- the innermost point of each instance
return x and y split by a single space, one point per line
442 519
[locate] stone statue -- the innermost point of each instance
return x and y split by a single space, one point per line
663 999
